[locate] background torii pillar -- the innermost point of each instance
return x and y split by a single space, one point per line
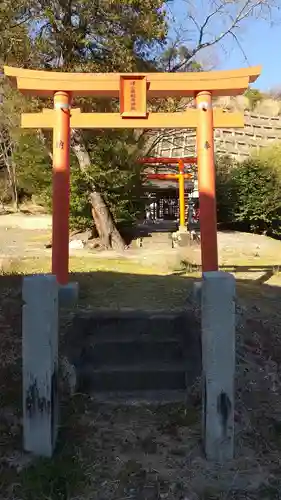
182 195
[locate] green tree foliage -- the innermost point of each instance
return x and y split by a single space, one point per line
249 194
97 35
34 172
113 170
116 175
254 96
178 56
15 44
91 36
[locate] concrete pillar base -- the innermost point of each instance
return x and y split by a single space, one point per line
68 294
218 360
40 364
184 238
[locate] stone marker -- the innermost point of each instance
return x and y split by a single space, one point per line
218 362
40 364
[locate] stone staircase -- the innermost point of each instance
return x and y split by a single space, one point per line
136 354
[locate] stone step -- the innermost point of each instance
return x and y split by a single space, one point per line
132 352
109 327
145 377
135 398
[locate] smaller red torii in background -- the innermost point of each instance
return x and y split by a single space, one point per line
181 177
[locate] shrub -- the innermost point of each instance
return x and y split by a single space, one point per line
249 194
225 190
271 157
258 196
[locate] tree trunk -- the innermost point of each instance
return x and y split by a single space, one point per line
99 223
14 188
108 233
6 148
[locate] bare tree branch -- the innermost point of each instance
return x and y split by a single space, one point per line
241 48
225 17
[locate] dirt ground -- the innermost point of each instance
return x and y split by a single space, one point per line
249 256
147 452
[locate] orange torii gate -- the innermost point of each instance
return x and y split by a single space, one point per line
180 177
133 91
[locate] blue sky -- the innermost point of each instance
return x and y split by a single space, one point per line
261 43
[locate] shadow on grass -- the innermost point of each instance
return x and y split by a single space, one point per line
109 289
67 474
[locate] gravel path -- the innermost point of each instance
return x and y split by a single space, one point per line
16 242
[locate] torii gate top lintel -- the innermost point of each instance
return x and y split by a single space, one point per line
45 83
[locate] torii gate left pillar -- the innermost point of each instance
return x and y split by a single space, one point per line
61 187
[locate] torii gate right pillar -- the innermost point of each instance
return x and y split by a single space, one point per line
207 182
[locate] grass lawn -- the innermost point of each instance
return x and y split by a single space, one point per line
126 283
118 283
